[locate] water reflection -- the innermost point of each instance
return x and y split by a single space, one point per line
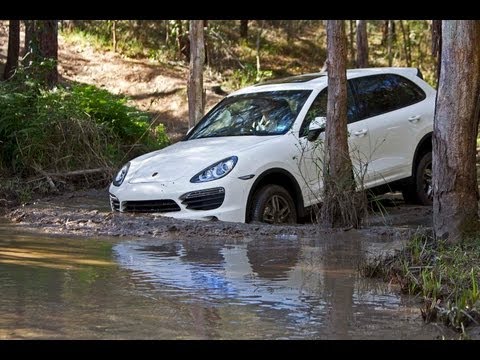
272 259
194 289
252 273
308 287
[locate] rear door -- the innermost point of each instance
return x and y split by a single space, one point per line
390 106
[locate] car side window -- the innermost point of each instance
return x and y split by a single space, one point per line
319 108
379 94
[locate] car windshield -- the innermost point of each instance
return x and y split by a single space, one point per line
262 113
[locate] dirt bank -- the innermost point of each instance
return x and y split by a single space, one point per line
87 213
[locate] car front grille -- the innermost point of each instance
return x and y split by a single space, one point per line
204 199
160 206
114 203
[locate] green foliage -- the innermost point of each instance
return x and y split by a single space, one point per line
446 276
98 41
111 111
248 76
68 128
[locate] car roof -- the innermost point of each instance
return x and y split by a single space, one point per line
318 80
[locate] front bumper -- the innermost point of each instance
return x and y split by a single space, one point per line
222 199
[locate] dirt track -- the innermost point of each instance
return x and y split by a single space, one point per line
158 88
87 213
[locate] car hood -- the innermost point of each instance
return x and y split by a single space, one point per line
187 158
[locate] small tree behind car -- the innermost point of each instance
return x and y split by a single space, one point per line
195 81
338 209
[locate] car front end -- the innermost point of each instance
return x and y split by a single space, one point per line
223 198
209 174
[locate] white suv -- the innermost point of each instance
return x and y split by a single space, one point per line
256 156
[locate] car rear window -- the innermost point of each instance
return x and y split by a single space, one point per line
379 94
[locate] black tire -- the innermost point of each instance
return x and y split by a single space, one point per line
268 197
420 191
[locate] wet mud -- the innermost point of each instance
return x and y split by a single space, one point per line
87 213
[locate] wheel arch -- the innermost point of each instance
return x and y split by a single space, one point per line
281 177
424 146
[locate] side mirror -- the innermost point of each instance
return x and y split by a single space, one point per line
317 126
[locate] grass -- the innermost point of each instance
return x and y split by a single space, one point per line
446 277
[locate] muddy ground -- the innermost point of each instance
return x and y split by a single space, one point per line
87 213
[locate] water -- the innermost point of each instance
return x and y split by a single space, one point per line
281 288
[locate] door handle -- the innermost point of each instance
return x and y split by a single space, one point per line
414 118
359 133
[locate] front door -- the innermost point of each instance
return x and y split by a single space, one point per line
310 161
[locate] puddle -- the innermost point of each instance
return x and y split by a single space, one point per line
280 288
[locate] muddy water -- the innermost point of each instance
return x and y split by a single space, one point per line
279 288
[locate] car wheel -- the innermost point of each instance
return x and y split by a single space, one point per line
273 204
421 191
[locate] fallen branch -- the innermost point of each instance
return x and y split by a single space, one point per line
49 179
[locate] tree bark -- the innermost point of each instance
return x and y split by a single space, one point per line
385 26
337 167
29 38
455 192
243 29
437 45
352 37
406 43
13 48
362 44
195 81
259 38
47 34
390 42
114 35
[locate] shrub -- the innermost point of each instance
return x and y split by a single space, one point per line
69 128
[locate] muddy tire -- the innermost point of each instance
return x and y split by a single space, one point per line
420 191
273 204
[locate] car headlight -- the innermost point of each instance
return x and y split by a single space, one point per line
118 180
215 171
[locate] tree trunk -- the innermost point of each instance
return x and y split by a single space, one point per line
437 45
29 38
455 198
385 26
389 43
195 81
47 33
362 44
13 48
205 45
243 29
352 37
183 42
406 44
259 38
114 35
337 167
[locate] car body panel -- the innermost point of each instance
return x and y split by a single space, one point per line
382 150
